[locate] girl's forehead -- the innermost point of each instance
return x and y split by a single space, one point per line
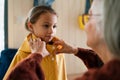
48 18
48 14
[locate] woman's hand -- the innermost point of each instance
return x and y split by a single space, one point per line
38 46
63 47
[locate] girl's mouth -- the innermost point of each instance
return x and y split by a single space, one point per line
48 38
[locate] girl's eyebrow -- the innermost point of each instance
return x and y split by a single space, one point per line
47 22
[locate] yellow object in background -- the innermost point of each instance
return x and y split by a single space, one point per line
83 19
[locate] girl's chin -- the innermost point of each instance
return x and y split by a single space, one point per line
48 40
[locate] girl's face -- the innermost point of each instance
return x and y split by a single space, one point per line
92 28
45 27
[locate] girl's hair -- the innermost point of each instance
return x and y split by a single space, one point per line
112 25
35 12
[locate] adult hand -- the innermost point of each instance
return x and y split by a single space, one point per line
63 47
38 46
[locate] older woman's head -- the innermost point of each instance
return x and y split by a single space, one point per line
95 30
94 27
112 25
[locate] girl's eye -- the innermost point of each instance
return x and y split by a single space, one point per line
54 26
46 26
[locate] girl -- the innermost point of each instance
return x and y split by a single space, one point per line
41 22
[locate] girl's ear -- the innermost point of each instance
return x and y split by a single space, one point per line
29 24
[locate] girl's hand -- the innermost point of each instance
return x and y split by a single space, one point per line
66 48
38 46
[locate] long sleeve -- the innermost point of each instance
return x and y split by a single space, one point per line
106 72
28 69
90 58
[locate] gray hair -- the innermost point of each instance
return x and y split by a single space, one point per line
112 25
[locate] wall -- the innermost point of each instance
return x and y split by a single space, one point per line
17 12
68 29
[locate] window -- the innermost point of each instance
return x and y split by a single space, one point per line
1 25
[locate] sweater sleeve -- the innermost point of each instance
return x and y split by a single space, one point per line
90 58
28 69
109 71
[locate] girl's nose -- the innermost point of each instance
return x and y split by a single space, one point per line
50 31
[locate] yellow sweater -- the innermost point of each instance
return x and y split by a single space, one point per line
53 65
